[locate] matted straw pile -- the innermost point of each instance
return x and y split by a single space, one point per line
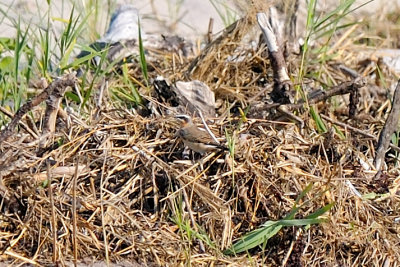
139 203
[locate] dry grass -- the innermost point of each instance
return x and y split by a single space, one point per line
137 200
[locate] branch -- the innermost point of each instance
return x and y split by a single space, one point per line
67 80
270 29
388 129
317 96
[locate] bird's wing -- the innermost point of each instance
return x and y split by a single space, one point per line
196 135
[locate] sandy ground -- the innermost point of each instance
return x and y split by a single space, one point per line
189 19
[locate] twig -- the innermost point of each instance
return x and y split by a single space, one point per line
99 100
74 215
346 126
388 129
155 187
21 258
262 91
290 250
67 80
317 96
291 115
206 127
356 130
8 131
53 214
210 30
21 123
348 71
353 189
53 104
354 99
103 170
341 89
270 29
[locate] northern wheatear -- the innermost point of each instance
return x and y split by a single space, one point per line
196 139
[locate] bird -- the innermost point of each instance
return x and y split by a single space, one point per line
198 140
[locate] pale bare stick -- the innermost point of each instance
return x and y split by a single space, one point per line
206 127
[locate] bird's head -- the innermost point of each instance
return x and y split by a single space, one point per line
185 119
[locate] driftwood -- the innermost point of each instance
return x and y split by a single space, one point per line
52 106
271 30
51 93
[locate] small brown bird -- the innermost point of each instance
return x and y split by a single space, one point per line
196 139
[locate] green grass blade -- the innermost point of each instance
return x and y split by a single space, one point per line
271 228
321 128
301 222
268 230
334 16
295 208
304 193
321 211
66 56
135 96
68 40
255 238
143 63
